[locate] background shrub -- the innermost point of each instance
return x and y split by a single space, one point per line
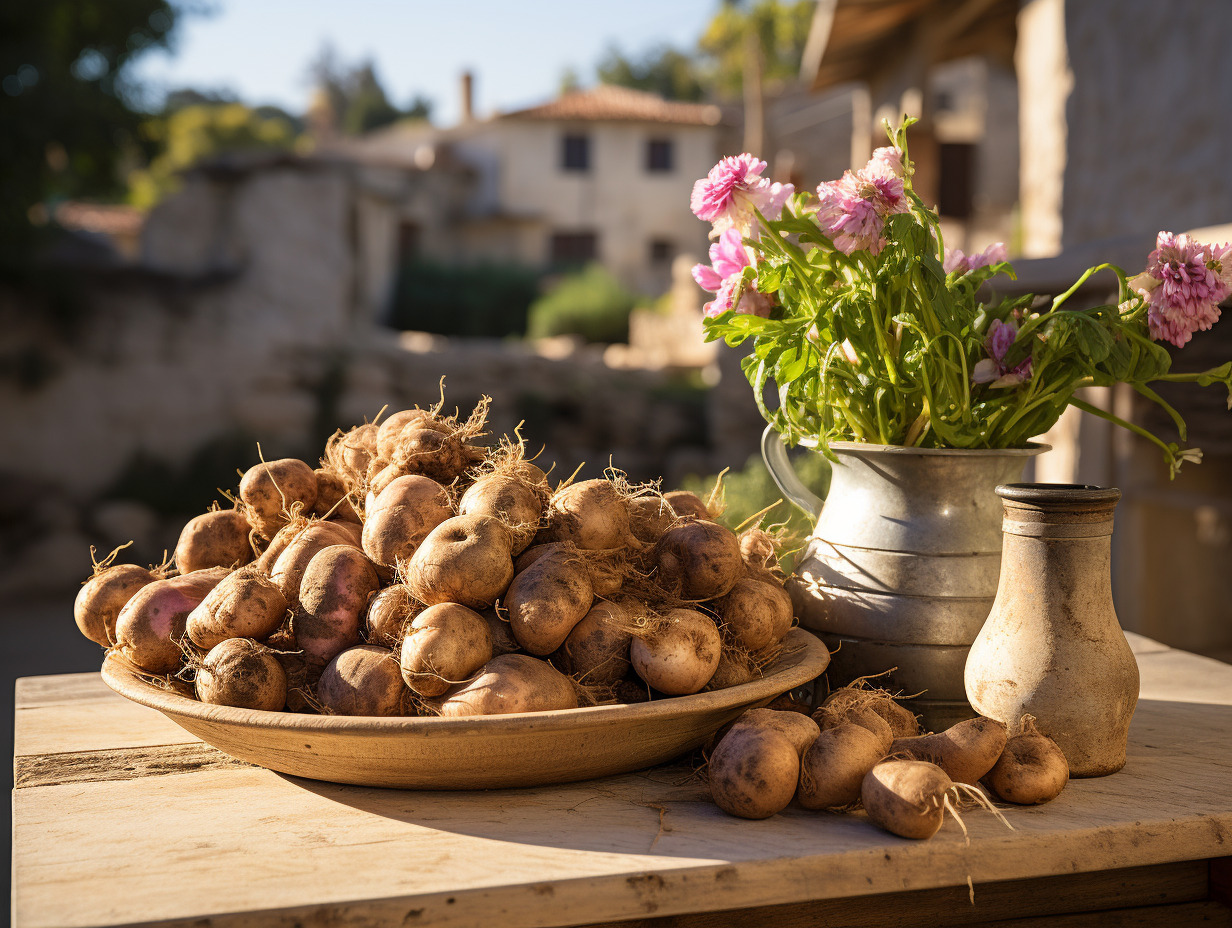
590 303
481 300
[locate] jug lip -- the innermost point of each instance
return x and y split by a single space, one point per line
1033 448
1030 493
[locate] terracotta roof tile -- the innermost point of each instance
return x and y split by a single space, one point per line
620 104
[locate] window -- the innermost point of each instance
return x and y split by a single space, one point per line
659 155
662 250
575 153
956 183
573 248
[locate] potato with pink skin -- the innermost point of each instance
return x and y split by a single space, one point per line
444 646
400 518
464 560
214 539
152 623
271 490
547 599
245 604
363 680
333 594
701 558
755 613
287 572
241 673
753 772
101 598
680 654
389 612
511 683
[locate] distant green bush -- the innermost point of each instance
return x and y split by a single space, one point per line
590 303
481 300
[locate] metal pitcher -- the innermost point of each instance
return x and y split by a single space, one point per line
902 567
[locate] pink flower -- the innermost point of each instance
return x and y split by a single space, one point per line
992 369
955 260
1191 280
734 189
728 259
853 209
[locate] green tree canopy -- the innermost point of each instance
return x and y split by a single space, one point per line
67 117
782 27
356 99
198 131
716 68
664 70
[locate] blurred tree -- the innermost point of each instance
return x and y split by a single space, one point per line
67 115
782 27
194 132
570 81
351 100
664 70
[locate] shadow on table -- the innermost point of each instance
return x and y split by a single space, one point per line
1178 755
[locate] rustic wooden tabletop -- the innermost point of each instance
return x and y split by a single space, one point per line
122 818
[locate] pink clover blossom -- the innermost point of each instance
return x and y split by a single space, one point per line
1183 285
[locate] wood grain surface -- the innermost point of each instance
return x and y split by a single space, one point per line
122 819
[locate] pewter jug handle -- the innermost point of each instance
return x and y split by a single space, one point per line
774 453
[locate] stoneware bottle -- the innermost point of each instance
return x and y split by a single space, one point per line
1052 645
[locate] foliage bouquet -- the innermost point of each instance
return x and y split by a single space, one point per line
871 330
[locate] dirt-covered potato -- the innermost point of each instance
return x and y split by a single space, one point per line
389 612
465 559
513 501
444 646
753 772
363 680
287 572
701 558
965 751
755 613
214 539
548 598
511 683
400 518
596 652
592 514
680 654
333 501
245 604
101 598
239 672
271 491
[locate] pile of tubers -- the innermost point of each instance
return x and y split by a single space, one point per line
863 749
418 572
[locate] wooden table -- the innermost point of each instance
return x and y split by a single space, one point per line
121 818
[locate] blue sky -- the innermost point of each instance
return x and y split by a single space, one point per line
261 48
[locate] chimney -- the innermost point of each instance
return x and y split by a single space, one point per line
468 96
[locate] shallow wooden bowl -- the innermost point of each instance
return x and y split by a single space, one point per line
521 749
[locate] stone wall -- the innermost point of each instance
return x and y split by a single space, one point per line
244 326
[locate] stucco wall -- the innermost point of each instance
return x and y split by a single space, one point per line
617 198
